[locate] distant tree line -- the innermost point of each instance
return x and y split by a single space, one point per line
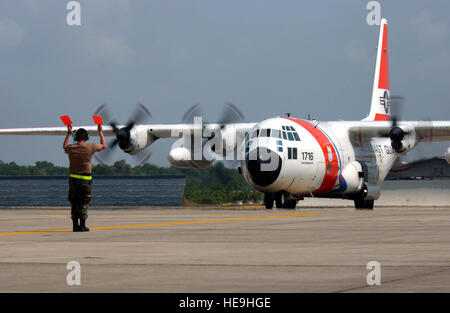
214 185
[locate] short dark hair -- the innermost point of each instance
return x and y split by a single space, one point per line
81 134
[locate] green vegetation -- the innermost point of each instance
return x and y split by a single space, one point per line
40 168
214 185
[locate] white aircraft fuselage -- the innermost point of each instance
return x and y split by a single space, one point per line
314 157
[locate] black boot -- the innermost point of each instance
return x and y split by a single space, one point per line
76 227
83 225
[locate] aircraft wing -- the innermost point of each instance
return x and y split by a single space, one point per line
158 130
177 130
53 131
426 131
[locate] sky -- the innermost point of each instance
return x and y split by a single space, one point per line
265 56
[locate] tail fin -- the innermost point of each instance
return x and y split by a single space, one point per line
380 106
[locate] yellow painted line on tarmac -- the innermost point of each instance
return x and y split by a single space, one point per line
159 224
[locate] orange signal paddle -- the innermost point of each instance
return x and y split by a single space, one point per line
66 120
98 120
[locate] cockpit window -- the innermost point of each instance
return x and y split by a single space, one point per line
264 133
289 133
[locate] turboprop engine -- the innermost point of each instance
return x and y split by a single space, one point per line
183 158
403 138
133 140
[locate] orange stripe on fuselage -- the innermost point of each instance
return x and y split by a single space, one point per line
330 177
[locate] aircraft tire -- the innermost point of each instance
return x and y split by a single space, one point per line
362 204
291 204
280 200
268 200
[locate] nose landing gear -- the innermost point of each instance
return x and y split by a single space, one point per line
282 200
268 200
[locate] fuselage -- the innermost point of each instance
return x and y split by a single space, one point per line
308 158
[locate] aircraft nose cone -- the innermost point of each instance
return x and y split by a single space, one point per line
263 165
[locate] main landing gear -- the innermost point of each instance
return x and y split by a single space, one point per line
281 199
361 203
268 200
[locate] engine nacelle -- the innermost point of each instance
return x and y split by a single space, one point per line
139 140
447 155
371 192
353 178
183 158
403 138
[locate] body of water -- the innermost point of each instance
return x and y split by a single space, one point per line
106 191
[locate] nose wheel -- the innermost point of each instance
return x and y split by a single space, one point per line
282 200
268 200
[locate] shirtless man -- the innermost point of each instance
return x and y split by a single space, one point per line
80 180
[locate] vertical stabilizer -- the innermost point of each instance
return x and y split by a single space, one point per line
379 105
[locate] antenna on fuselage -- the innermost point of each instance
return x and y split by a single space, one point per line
288 114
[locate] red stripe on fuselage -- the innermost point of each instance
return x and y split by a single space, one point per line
381 117
330 177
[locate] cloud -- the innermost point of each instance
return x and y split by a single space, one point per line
112 48
357 54
107 8
32 4
433 43
438 61
11 34
429 29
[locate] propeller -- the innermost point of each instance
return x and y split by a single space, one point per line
230 114
123 134
396 134
193 111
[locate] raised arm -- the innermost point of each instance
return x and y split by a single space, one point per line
67 139
102 138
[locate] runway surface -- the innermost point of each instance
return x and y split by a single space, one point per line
227 250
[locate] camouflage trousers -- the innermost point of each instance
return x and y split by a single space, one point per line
80 194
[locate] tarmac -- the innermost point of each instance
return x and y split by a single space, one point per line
227 250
